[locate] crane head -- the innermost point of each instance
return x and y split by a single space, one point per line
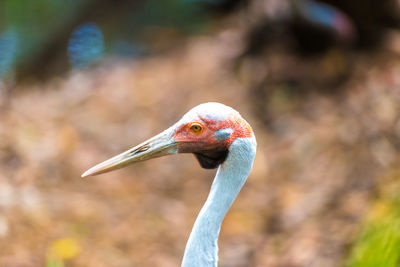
207 131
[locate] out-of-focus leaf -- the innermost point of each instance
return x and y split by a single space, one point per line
379 241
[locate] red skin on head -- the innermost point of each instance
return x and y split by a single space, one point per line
205 140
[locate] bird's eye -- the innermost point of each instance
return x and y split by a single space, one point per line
196 128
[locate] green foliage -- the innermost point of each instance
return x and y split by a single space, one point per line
34 21
184 15
54 263
379 241
36 25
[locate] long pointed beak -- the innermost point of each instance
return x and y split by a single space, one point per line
157 146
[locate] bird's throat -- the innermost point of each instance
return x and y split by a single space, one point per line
202 246
211 159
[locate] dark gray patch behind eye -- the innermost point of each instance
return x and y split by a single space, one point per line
223 134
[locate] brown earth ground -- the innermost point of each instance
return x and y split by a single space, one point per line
320 159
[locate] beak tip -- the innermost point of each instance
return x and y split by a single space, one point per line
159 145
86 174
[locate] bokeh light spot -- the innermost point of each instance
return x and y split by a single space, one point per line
86 45
65 248
8 51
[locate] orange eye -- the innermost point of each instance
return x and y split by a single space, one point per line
196 128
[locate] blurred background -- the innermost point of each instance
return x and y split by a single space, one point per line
81 81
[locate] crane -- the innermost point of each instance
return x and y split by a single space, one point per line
219 137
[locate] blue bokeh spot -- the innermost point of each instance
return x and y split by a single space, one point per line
8 51
316 12
86 45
